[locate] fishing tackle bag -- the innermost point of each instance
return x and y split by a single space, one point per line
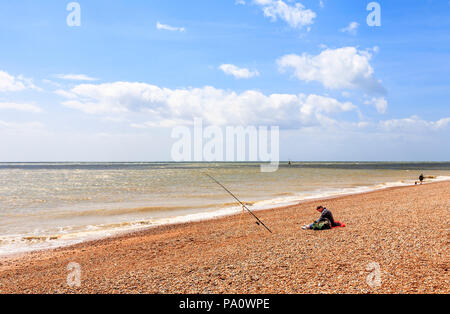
322 225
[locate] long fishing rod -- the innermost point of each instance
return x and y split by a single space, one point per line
259 222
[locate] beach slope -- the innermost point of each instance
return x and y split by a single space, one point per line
396 241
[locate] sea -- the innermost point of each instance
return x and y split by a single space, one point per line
49 205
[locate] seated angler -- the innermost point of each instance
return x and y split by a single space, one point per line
326 221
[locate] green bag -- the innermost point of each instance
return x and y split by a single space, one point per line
322 225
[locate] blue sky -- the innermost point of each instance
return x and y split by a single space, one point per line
113 88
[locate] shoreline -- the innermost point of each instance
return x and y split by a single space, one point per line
214 215
126 233
172 235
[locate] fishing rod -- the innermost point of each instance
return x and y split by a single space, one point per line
259 222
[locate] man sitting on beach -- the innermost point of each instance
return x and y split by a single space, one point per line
326 220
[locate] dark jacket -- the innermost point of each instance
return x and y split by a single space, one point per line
326 214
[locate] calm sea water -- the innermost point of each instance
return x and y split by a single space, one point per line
45 205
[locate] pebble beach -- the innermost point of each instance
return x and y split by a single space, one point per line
396 241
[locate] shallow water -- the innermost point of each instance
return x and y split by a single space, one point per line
46 205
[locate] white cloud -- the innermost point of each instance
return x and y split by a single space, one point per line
321 4
393 127
343 68
380 104
65 94
414 124
19 107
239 73
296 15
51 83
239 2
167 107
76 77
320 107
352 28
169 28
442 123
9 83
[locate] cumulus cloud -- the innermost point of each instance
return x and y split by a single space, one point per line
352 28
167 107
320 107
239 73
342 68
169 28
10 83
19 107
76 77
442 123
296 15
380 104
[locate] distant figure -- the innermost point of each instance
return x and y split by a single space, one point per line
326 220
421 178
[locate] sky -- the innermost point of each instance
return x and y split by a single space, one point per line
115 86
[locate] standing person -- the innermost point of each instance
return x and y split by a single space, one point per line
421 178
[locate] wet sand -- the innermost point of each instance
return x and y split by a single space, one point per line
404 231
